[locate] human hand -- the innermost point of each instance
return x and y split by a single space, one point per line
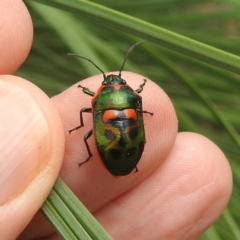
184 180
31 131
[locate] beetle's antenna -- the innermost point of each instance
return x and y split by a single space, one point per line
125 59
77 55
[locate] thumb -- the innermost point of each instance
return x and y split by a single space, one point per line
31 152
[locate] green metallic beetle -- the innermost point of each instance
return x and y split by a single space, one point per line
118 125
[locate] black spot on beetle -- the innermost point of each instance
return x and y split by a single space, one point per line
133 133
108 89
130 152
115 153
110 135
123 141
125 89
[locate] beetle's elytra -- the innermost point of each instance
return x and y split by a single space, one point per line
118 126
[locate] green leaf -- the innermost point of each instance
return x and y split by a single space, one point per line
149 32
70 217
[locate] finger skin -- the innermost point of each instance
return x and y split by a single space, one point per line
183 184
92 183
160 129
180 200
16 34
196 189
32 149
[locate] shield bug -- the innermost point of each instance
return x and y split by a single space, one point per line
118 126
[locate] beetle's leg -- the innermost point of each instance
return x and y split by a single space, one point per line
86 137
151 113
143 111
141 86
81 119
87 91
138 91
136 169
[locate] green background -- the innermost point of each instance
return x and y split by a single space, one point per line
206 98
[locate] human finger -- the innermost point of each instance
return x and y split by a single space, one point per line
31 149
160 129
16 34
180 200
92 183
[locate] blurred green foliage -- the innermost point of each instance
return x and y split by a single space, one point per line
214 22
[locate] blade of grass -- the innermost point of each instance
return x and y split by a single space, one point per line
210 234
59 224
92 226
59 21
186 120
173 69
231 223
70 217
236 3
150 32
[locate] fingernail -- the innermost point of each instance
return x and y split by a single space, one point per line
24 140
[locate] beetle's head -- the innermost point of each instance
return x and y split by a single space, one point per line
113 80
116 79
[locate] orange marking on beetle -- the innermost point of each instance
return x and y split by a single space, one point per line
109 114
113 114
130 113
97 93
118 86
